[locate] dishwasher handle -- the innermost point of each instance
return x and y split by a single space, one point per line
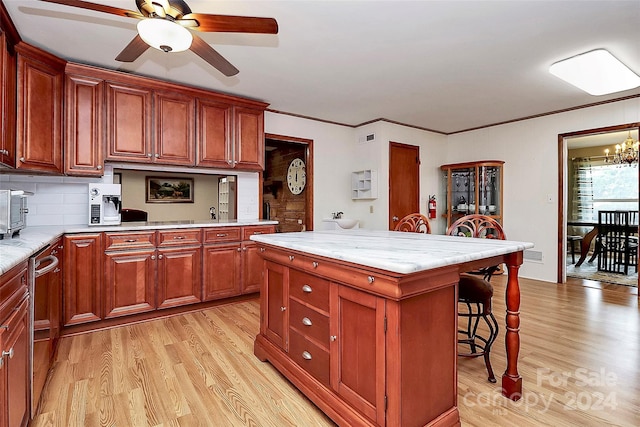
54 263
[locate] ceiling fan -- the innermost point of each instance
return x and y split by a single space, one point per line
165 25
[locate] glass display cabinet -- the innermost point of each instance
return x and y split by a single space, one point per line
472 188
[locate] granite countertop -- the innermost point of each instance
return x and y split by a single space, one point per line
393 251
33 239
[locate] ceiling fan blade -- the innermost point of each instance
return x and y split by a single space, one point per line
134 49
206 52
233 24
96 7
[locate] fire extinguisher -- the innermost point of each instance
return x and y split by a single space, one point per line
432 207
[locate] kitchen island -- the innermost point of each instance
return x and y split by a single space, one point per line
364 322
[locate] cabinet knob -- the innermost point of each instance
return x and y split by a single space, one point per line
160 256
5 327
291 257
153 257
306 321
230 162
148 154
22 159
283 308
315 264
157 155
244 249
8 353
333 337
371 279
99 167
262 249
306 355
239 250
306 288
1 363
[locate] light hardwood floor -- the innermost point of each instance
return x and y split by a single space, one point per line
579 359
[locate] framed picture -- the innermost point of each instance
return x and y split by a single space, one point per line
169 190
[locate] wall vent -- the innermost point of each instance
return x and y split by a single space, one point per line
365 139
533 255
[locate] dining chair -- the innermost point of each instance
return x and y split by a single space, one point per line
475 292
128 215
415 223
615 251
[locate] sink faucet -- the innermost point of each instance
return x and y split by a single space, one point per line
337 215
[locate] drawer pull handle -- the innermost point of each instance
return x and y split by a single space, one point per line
131 240
5 327
283 308
333 337
291 257
371 279
262 249
221 235
8 353
315 264
257 232
306 288
306 355
306 321
179 237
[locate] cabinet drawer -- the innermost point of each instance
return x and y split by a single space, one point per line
309 289
312 358
309 322
13 288
142 240
222 234
247 232
183 237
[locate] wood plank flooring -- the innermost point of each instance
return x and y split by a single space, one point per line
579 358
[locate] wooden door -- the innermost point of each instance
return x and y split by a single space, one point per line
214 133
129 286
249 138
83 273
84 150
16 357
174 127
8 79
274 313
221 271
179 277
251 268
404 181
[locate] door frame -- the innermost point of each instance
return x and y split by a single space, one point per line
562 189
308 161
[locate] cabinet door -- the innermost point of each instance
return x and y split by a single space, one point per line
179 276
213 133
275 316
174 129
358 352
129 286
249 138
39 126
15 361
129 136
83 273
252 266
221 271
8 73
84 143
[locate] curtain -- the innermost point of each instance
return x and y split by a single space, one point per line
582 201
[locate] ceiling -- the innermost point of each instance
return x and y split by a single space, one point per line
445 66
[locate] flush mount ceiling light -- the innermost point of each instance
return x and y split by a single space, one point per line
165 35
596 72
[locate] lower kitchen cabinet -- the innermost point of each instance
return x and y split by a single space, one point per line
129 282
82 271
252 263
221 270
179 276
275 317
15 348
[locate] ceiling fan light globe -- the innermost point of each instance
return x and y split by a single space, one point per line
164 35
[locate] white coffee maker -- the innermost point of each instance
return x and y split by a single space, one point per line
104 204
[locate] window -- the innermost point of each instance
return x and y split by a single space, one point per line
614 187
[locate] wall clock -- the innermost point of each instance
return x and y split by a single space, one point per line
296 176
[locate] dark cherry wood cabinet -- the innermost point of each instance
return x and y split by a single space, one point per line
252 263
8 80
129 122
83 273
249 138
174 128
221 262
179 276
15 348
214 133
39 107
84 123
274 318
129 286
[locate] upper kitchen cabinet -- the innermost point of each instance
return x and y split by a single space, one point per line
129 119
214 133
39 106
8 78
174 127
84 123
249 138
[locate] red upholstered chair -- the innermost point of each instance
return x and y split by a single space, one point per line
415 223
475 292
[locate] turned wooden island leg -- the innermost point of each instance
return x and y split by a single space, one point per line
511 379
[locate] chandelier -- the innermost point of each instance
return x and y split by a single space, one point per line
626 153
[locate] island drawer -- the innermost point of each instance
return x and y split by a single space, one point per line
222 234
247 232
182 237
309 322
128 240
311 357
309 289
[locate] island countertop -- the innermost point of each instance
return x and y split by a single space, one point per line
33 239
393 251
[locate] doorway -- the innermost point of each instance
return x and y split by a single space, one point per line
292 209
404 181
587 147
